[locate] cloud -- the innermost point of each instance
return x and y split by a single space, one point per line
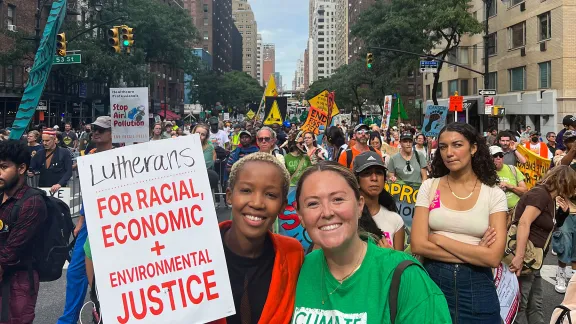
284 23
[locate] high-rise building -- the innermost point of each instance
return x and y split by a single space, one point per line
341 33
306 70
246 24
298 83
531 66
355 9
324 30
311 62
237 57
278 79
269 61
259 60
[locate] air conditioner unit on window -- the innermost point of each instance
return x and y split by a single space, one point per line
12 28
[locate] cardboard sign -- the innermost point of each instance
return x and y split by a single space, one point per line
534 168
386 112
434 120
404 194
456 103
316 117
129 112
62 194
154 236
321 103
508 292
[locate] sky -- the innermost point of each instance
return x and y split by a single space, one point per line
284 23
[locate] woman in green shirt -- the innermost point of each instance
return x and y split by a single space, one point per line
297 161
348 279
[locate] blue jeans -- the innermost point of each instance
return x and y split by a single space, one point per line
76 281
469 291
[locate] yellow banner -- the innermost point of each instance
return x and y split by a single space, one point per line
320 102
534 168
271 87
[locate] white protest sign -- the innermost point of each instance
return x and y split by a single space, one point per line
129 112
154 236
508 292
62 194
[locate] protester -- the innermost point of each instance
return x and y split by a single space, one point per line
20 234
376 143
564 241
69 137
459 225
315 152
407 165
263 267
218 137
297 161
491 138
508 145
157 133
209 153
535 219
242 150
511 179
569 123
335 142
568 157
85 138
235 136
33 145
348 279
539 148
53 163
420 145
266 139
370 172
551 138
361 145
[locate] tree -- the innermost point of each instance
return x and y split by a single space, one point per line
421 26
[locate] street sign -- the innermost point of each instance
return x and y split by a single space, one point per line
456 103
42 106
428 66
488 105
68 59
486 92
82 90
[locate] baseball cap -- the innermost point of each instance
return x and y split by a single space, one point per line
568 135
244 132
214 120
494 149
103 121
569 120
406 136
357 128
367 159
532 133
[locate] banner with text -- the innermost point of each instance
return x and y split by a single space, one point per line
62 194
156 246
434 120
534 168
404 194
129 112
324 103
387 111
315 119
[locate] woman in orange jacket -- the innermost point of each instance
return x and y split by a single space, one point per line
263 267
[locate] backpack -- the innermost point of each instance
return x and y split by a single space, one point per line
349 155
55 247
395 287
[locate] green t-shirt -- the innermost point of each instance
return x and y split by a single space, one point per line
363 298
292 165
87 249
209 156
506 175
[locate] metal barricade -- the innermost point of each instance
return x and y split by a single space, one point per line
75 202
219 193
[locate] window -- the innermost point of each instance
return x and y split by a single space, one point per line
206 35
10 15
474 54
439 90
475 15
492 41
464 56
517 35
493 80
545 75
205 21
545 26
464 88
411 89
428 93
474 86
452 87
516 2
517 77
453 55
493 9
205 8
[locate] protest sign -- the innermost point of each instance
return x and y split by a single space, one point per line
404 194
321 102
315 119
534 168
508 292
387 110
289 223
275 110
129 112
434 120
154 236
390 150
62 194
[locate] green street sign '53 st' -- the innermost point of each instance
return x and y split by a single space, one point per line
68 59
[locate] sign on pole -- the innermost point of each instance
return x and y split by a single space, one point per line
62 194
488 105
434 120
456 103
486 92
129 112
68 59
428 66
154 236
42 106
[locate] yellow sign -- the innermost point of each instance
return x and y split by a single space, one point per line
250 114
321 102
534 168
316 117
274 117
271 88
390 150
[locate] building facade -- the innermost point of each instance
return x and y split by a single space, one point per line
259 60
269 61
298 83
531 66
236 49
246 23
341 33
324 31
306 70
222 35
355 9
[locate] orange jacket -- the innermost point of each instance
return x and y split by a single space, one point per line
543 149
279 304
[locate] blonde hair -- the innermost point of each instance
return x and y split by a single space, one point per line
35 133
260 157
207 129
562 179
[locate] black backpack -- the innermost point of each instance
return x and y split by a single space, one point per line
55 247
565 314
349 155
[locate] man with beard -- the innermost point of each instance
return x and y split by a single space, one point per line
511 155
19 235
538 147
76 276
69 137
362 135
53 163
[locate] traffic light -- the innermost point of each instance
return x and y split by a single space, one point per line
61 44
114 40
127 38
369 60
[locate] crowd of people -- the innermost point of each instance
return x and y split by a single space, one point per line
472 197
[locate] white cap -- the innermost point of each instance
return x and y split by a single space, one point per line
56 127
495 149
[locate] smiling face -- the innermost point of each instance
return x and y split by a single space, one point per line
256 198
456 150
329 209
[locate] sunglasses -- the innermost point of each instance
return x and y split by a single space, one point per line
99 129
264 139
498 155
362 132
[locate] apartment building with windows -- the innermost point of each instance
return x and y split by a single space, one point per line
531 46
259 60
324 31
246 23
341 33
269 61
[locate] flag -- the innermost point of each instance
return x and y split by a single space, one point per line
398 108
40 70
271 88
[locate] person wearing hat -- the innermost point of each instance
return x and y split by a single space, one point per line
511 179
538 147
235 136
407 165
569 157
218 137
569 123
362 136
53 164
380 216
244 148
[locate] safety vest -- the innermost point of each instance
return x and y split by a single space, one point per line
543 149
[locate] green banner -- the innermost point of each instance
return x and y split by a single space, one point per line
40 70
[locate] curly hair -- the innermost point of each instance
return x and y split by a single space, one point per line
14 151
260 157
482 163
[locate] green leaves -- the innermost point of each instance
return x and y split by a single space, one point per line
233 89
